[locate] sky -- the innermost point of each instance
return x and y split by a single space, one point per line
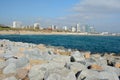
104 15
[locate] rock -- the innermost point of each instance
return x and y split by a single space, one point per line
33 53
77 56
59 74
21 49
21 62
117 65
21 73
8 55
88 75
11 60
112 69
10 78
96 67
87 55
75 67
3 64
11 68
36 62
2 51
1 59
37 72
61 58
104 75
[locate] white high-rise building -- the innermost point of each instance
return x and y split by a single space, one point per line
73 29
36 26
53 27
17 24
78 28
65 28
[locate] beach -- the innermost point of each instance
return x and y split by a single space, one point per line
42 33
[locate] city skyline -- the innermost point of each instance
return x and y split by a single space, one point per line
103 14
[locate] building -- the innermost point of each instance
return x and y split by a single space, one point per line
65 28
73 29
17 24
78 28
36 26
53 27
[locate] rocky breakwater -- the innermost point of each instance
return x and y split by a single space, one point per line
25 61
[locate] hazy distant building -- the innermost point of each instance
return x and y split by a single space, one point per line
53 27
78 28
65 28
36 26
73 29
92 29
17 24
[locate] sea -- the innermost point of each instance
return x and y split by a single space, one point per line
94 44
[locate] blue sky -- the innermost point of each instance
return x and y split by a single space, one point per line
104 15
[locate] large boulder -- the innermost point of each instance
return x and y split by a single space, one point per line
59 74
61 59
104 75
88 75
33 53
75 67
10 78
3 64
21 73
77 56
21 62
37 72
11 68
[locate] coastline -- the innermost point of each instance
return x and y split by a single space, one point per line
47 33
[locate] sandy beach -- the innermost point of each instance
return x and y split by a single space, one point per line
41 33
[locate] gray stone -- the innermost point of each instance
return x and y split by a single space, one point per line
59 74
37 72
77 56
108 75
3 64
33 54
11 60
88 75
11 68
112 69
21 62
10 78
75 67
61 59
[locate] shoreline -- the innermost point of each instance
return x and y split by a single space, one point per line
48 33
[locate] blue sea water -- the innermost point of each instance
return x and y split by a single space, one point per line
101 44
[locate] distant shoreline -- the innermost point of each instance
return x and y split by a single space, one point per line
47 33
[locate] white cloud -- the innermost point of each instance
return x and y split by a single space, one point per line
98 6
